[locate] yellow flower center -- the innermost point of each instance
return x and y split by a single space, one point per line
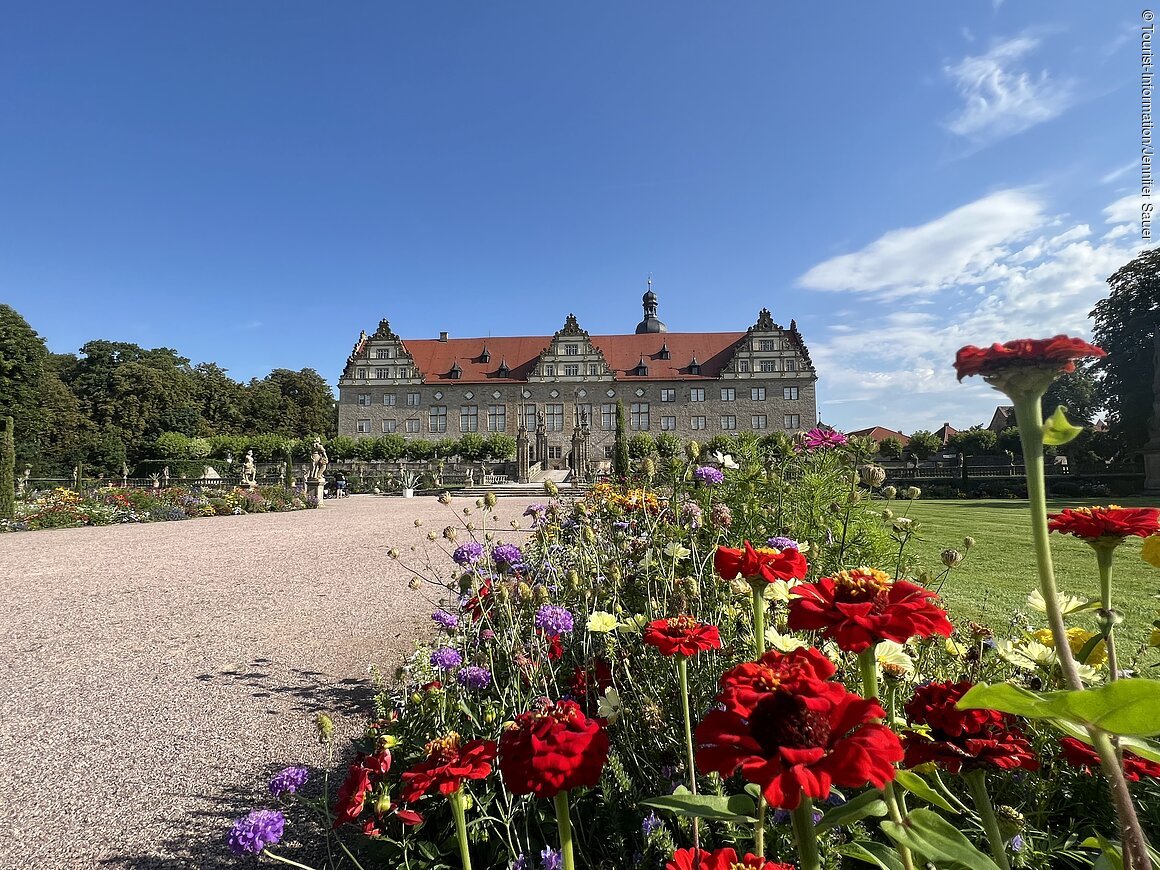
443 747
683 623
863 582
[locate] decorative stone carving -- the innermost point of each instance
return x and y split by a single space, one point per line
318 460
522 459
249 471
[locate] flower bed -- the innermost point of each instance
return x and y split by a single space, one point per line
106 506
634 683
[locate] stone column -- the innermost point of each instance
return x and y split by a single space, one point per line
542 440
1152 448
574 457
522 463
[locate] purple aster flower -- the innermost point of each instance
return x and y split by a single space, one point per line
824 439
651 824
550 859
253 833
469 553
1017 843
289 781
521 862
474 677
553 620
447 659
443 619
507 556
709 475
784 543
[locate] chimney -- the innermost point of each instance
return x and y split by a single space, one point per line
443 336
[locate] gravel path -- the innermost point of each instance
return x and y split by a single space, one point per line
152 676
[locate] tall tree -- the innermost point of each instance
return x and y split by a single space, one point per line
1078 391
1125 324
22 361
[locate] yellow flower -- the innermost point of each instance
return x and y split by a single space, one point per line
601 622
1077 638
1150 551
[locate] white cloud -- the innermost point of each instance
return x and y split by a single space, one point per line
1119 172
1038 280
999 98
921 259
1126 208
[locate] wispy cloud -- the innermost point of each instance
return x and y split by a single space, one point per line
1000 97
1119 172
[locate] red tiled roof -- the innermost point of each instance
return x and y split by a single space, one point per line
881 433
713 351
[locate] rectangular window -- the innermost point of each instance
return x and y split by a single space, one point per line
412 400
728 421
639 417
364 399
757 421
594 370
697 394
529 411
571 350
388 426
363 426
362 374
789 392
765 344
382 353
572 371
608 452
556 452
389 399
437 418
382 374
554 417
742 365
497 418
608 416
668 395
668 424
757 394
769 365
469 418
413 424
792 421
790 365
549 370
583 414
697 423
405 373
728 394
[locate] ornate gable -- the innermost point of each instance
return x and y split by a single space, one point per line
571 355
382 357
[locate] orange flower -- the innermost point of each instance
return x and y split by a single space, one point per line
1059 353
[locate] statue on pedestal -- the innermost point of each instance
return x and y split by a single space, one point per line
124 474
249 471
318 460
22 481
165 476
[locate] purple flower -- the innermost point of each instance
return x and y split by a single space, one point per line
447 659
784 543
446 620
721 515
550 859
474 677
1017 843
553 620
486 635
507 556
651 824
709 475
469 553
253 833
692 513
289 781
521 862
823 439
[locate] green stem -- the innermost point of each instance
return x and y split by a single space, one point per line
564 823
759 828
804 835
683 673
977 784
270 854
459 811
758 586
1104 555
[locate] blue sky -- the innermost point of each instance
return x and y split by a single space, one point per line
253 183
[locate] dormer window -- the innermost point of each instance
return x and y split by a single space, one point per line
665 353
456 372
641 369
694 366
485 356
503 371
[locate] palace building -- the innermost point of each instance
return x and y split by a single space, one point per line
693 385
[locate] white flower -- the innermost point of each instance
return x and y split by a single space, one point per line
1068 604
889 652
724 460
1030 656
609 706
783 642
676 551
601 622
779 590
650 558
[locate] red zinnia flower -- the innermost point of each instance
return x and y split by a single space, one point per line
583 684
1057 353
858 608
1106 522
959 739
765 562
800 736
553 749
352 795
743 686
682 636
721 859
1079 754
448 764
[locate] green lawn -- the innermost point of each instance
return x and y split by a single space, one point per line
999 572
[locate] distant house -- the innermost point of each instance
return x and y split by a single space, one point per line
880 434
944 433
1004 418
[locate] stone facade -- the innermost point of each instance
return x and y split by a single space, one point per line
690 385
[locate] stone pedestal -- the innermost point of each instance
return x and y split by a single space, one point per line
1152 468
316 486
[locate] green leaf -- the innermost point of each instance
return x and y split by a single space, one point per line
915 784
869 803
737 808
937 840
880 856
1141 746
1128 707
1057 430
1110 859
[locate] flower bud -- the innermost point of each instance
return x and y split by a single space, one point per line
889 492
589 535
542 594
692 450
325 727
551 489
1011 821
382 803
952 558
489 499
524 591
415 584
393 553
854 496
467 511
471 527
835 508
648 467
479 503
913 492
515 524
431 536
445 498
887 514
418 522
968 542
872 475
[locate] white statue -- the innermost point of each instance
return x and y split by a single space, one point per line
249 470
318 460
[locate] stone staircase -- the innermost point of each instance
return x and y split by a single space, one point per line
533 489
